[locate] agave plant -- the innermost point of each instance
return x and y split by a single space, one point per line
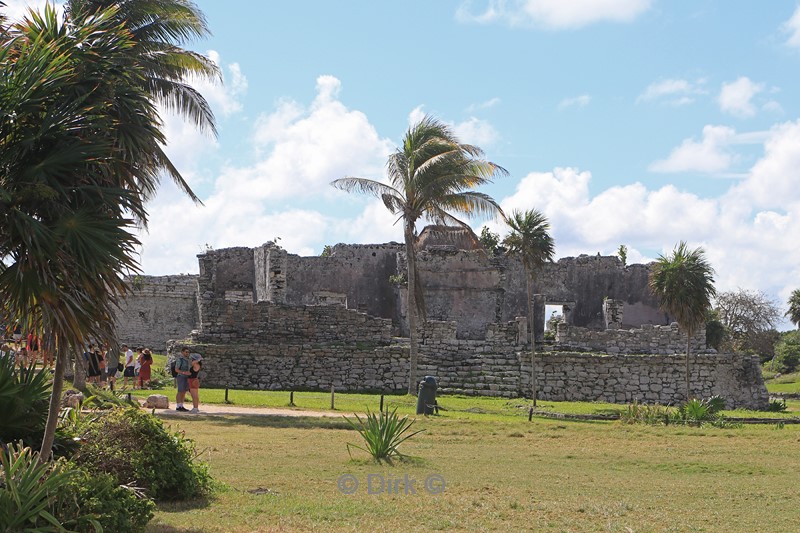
24 395
31 490
382 434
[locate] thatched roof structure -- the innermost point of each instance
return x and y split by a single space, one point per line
448 237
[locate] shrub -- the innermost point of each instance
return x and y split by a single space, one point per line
97 498
382 434
787 353
139 451
776 405
30 489
24 400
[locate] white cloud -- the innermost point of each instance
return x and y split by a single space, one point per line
301 150
471 131
577 101
483 105
736 97
676 92
476 131
746 232
554 14
792 27
709 155
16 9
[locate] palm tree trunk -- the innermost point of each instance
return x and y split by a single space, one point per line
79 380
55 404
532 333
412 308
688 350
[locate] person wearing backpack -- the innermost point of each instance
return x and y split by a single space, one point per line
183 369
194 381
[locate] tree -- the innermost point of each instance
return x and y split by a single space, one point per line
794 308
622 253
78 138
683 283
530 241
431 175
489 240
748 316
158 29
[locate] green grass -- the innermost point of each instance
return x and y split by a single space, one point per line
785 383
501 472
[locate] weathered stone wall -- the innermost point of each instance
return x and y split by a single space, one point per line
158 308
648 339
324 346
359 272
476 290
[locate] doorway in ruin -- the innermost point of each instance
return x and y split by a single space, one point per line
555 312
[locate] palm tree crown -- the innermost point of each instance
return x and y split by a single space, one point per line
431 175
683 282
794 308
530 239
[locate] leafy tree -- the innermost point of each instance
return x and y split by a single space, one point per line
716 334
794 308
683 282
327 251
431 175
530 240
748 316
489 240
622 253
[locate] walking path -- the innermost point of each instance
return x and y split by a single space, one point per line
227 410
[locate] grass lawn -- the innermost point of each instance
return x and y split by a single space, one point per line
500 472
785 383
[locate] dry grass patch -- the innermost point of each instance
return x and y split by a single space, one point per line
499 475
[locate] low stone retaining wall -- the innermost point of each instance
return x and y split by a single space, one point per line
484 368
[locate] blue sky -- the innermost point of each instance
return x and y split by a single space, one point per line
636 122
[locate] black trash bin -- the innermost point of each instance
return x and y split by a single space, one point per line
426 396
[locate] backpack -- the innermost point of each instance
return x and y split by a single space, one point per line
172 369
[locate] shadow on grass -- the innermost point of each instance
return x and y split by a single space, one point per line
182 506
163 528
276 421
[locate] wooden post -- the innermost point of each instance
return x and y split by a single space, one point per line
291 398
226 395
381 409
530 414
333 393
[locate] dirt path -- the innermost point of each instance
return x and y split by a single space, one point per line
228 410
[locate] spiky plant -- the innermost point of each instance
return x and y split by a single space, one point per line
383 433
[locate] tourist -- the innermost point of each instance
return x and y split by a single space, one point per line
145 361
93 370
33 348
130 367
22 357
183 369
17 335
194 381
112 367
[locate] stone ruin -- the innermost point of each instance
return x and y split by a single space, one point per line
267 319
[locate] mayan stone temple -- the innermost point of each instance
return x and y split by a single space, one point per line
266 319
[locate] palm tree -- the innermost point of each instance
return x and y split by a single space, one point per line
431 175
683 282
158 28
794 308
79 156
530 241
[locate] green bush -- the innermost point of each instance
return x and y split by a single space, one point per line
787 353
24 400
29 490
97 498
139 451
